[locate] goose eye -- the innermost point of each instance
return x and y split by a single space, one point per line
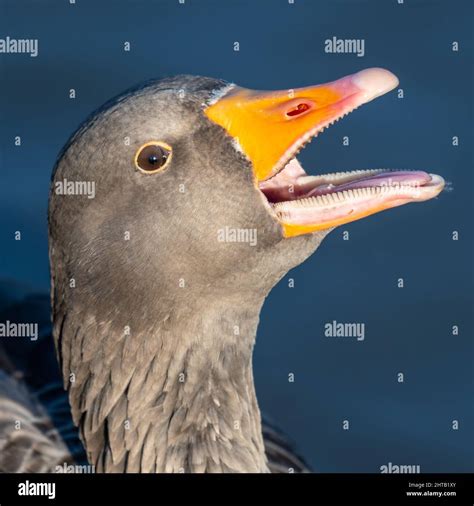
153 157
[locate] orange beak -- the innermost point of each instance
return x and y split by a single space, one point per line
270 126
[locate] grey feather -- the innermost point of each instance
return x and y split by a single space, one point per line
176 392
28 440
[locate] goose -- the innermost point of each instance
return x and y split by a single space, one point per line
199 208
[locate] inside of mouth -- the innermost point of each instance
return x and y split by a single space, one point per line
328 200
292 182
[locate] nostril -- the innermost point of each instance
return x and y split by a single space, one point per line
299 109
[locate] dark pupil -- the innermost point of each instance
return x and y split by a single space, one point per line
152 157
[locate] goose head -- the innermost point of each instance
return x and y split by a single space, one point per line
199 207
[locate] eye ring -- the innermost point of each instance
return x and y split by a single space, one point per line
153 157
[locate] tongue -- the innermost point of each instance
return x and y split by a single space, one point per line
383 179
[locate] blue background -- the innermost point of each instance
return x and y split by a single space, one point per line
408 330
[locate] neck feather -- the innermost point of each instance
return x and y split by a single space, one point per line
174 396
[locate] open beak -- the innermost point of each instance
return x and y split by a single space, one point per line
271 127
